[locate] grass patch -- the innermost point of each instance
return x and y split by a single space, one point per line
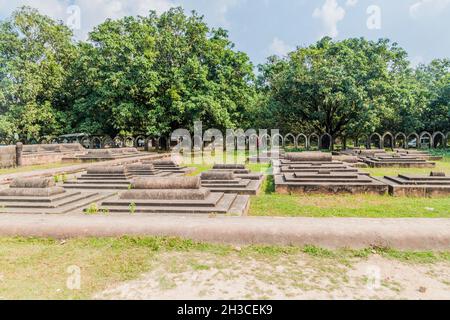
37 167
34 268
374 206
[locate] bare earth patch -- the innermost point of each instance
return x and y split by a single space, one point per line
181 275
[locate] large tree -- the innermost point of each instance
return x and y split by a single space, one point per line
341 88
35 52
434 79
156 73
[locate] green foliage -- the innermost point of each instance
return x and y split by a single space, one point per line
92 209
343 87
132 208
35 52
157 73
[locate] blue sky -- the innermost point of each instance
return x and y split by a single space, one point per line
265 27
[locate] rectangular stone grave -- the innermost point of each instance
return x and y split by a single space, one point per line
397 160
169 166
319 174
42 196
144 170
228 182
176 195
239 170
422 154
105 154
433 185
102 178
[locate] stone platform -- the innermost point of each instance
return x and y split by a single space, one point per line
42 196
397 160
239 170
419 154
93 155
317 173
228 182
102 178
169 166
146 170
179 196
433 185
379 158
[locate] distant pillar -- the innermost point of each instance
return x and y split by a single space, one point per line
19 149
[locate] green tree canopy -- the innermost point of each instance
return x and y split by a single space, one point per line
344 87
154 74
35 52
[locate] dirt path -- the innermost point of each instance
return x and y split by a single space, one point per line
203 276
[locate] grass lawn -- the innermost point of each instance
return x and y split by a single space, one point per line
40 268
38 167
374 206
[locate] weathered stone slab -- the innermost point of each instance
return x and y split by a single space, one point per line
217 175
33 183
229 166
106 170
183 194
140 167
418 185
308 156
346 159
31 192
164 163
166 183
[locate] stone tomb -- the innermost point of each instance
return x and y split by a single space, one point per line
105 154
433 185
104 178
379 158
228 182
316 173
419 154
177 195
42 196
169 166
239 170
146 170
383 160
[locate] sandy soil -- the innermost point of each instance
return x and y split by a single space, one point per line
206 276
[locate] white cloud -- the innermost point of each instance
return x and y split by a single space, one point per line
53 8
351 3
279 47
330 14
424 8
218 10
92 12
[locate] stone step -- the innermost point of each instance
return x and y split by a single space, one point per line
92 186
73 198
211 201
403 181
39 199
222 207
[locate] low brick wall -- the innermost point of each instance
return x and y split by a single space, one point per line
7 156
